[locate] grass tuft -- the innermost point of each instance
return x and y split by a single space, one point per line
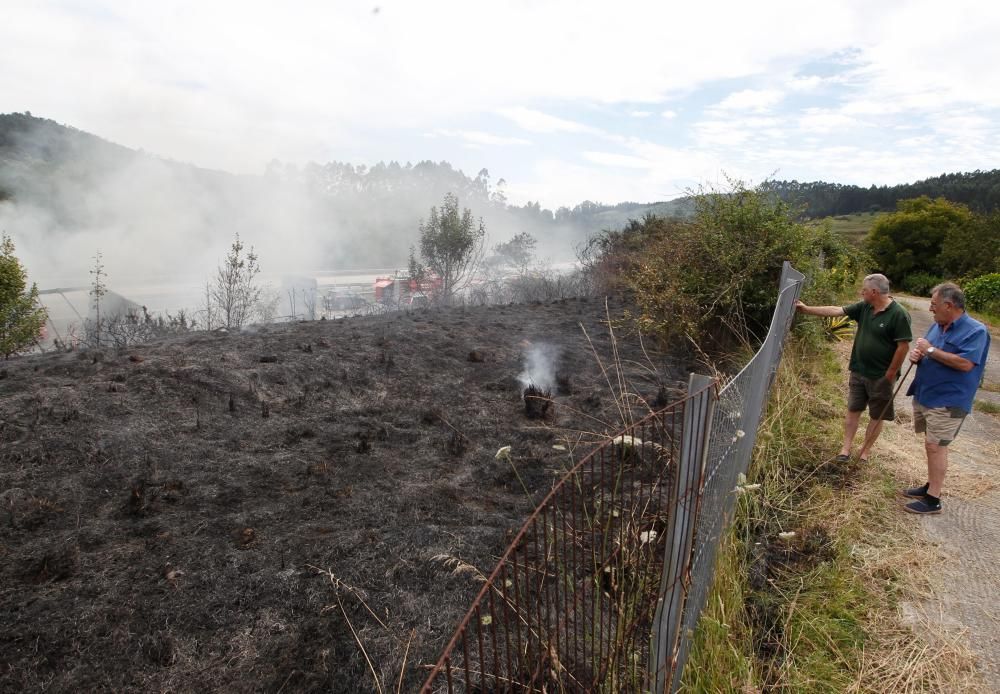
987 407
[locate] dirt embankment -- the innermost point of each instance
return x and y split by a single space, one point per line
223 511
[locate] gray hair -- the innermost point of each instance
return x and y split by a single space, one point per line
879 282
950 292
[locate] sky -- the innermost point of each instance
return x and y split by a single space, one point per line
565 100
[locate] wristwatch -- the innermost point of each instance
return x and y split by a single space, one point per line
931 350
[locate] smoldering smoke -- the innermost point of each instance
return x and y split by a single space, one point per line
540 367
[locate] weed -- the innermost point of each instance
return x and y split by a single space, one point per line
987 407
838 328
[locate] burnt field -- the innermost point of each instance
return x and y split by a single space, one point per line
238 512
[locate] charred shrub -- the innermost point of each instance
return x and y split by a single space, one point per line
457 444
296 433
54 564
159 649
537 402
141 499
564 383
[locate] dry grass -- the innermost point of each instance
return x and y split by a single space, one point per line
902 453
899 655
901 663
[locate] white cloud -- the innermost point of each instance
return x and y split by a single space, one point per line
230 83
751 100
538 122
233 84
617 160
736 130
804 84
477 137
816 120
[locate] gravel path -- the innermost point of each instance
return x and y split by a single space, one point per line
966 536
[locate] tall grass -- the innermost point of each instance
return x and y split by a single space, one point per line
817 611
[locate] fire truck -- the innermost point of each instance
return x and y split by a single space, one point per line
402 291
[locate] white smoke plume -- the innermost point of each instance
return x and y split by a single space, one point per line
540 366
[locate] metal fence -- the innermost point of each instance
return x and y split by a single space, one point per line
726 436
602 587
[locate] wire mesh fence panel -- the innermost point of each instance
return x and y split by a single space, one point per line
570 604
732 436
602 587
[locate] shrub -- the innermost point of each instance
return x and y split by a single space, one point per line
983 293
21 317
921 283
236 298
714 279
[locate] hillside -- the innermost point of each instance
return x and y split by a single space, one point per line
853 227
192 514
65 194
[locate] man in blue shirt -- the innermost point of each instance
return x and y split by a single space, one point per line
950 363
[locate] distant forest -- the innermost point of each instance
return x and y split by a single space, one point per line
979 190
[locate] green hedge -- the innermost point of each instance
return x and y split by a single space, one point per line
983 293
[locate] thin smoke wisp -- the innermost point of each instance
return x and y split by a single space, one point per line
539 366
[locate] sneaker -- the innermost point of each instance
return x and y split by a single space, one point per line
841 458
915 492
922 507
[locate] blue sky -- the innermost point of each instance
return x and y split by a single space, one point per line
566 101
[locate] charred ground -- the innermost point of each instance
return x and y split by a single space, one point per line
204 512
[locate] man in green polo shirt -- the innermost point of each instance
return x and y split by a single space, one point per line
880 346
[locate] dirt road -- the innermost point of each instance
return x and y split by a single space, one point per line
964 541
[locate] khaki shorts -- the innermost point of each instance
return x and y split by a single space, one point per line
873 393
940 425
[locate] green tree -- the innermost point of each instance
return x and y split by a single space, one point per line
910 240
973 249
21 316
451 246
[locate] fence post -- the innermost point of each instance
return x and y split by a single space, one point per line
742 402
680 530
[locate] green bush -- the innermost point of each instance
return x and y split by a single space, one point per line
910 240
714 279
983 293
921 283
21 316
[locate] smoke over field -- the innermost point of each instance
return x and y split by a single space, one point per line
65 195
